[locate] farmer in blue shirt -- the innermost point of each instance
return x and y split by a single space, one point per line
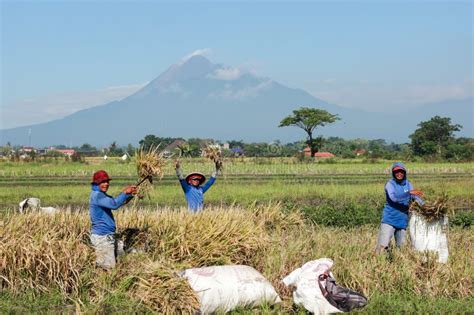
193 190
102 220
399 193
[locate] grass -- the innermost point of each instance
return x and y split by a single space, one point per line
238 166
46 257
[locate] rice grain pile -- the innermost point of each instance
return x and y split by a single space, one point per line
433 209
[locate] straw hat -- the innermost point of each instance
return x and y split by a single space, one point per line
201 176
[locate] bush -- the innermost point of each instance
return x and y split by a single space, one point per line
351 214
463 219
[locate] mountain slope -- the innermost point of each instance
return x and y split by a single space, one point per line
199 99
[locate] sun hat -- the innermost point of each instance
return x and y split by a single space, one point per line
201 176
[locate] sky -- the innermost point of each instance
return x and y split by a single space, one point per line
58 57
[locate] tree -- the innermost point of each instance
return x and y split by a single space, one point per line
308 119
149 141
433 136
114 150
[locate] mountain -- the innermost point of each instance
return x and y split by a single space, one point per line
197 98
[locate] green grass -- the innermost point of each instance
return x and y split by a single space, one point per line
251 166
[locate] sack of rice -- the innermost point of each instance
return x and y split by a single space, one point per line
223 288
428 225
318 292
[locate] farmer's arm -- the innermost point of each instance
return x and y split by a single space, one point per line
181 178
178 171
416 194
209 183
392 195
112 203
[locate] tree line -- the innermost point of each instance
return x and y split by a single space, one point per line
432 140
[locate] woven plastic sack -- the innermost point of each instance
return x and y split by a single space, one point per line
307 292
223 288
429 236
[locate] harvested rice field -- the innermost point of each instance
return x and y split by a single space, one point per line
271 214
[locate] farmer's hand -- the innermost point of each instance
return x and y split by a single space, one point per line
416 192
132 189
176 164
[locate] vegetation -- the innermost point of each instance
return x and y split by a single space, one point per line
271 213
47 257
433 136
308 119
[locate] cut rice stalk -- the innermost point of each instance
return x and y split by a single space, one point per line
149 164
214 153
433 209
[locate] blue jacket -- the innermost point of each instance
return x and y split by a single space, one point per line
101 206
398 200
195 195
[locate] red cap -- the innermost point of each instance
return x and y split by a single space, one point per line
100 177
398 168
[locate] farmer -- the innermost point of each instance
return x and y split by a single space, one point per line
399 192
193 191
103 224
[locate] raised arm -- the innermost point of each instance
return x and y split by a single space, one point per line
112 203
211 181
181 178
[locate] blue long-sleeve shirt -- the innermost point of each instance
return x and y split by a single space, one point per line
398 199
100 210
195 195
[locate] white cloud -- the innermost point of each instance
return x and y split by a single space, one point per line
227 73
51 107
197 52
230 94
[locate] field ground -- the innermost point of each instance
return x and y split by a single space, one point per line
281 215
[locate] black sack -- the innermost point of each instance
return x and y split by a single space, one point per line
340 297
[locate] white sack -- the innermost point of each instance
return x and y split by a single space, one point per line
49 210
223 288
307 291
32 203
429 236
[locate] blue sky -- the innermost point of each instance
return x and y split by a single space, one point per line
369 55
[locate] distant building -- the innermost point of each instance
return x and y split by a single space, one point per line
27 149
307 152
359 152
174 145
237 151
168 150
67 152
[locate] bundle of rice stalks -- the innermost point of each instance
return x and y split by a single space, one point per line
160 288
432 209
149 164
214 153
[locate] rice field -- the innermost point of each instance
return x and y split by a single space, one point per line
272 214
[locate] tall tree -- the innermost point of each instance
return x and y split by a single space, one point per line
433 136
308 119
